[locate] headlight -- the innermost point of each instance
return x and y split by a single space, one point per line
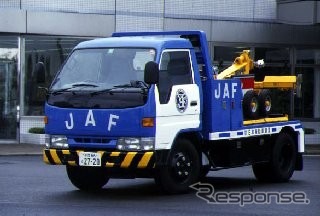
56 141
135 143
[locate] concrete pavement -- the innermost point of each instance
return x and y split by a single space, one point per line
36 149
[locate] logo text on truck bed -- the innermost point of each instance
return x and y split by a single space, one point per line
225 90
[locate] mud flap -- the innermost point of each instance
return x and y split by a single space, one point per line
299 162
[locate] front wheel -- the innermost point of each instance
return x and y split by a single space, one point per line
182 169
87 178
281 166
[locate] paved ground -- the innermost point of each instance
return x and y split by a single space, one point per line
29 187
30 149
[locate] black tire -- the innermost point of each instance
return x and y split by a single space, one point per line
250 105
182 169
265 102
87 178
281 166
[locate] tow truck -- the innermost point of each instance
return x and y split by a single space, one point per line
150 105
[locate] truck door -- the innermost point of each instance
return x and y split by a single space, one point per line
177 97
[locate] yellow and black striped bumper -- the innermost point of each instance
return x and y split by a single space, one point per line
113 159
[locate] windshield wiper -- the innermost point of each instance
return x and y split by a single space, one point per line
84 84
139 84
109 90
123 86
59 91
134 86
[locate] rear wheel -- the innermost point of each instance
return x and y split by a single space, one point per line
250 105
281 166
182 169
265 103
87 178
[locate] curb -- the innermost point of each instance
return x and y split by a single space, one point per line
313 149
21 149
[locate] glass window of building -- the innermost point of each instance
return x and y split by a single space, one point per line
308 64
52 51
277 63
8 86
304 105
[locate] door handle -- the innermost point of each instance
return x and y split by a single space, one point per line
193 103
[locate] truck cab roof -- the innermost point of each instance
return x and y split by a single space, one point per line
168 42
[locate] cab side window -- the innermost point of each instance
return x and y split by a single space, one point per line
175 69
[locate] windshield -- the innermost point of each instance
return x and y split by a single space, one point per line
95 69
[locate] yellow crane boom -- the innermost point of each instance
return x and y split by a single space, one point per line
244 64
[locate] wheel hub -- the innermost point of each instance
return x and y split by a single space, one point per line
267 104
181 165
254 106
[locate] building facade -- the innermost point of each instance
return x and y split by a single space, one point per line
285 33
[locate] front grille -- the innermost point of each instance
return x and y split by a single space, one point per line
92 142
86 140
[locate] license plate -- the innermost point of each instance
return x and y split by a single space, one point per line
89 159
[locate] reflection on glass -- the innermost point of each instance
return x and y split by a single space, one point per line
52 52
103 68
273 55
8 86
304 106
308 56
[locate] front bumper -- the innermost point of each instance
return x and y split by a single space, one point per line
109 159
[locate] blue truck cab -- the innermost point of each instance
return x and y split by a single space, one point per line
147 104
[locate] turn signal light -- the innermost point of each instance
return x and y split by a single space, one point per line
45 120
148 122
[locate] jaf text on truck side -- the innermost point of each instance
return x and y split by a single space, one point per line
150 105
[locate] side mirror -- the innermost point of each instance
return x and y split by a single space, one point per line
39 72
151 73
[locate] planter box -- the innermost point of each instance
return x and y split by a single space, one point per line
32 138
